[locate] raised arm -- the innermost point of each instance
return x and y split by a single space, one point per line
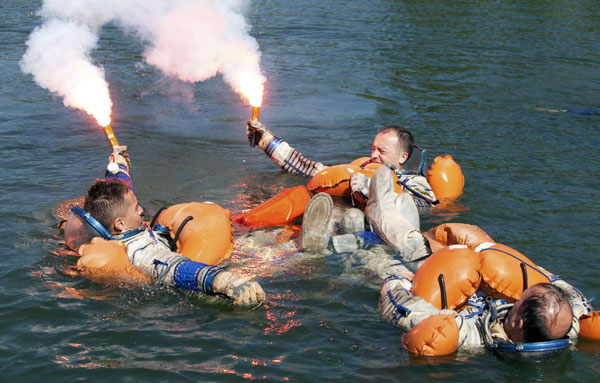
119 165
278 150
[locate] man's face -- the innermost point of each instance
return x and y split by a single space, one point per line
386 150
131 217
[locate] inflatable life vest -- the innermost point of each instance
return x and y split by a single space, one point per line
506 273
444 176
280 209
448 277
433 336
201 232
590 326
334 180
455 234
453 272
105 261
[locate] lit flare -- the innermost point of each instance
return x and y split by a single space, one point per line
255 113
111 136
92 96
253 89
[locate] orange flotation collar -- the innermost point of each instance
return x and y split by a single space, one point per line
207 237
444 176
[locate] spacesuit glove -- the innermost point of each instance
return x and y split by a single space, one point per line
120 156
240 289
258 133
359 185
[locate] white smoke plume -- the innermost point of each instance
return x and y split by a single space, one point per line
191 40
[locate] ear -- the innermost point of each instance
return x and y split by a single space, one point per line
119 225
403 157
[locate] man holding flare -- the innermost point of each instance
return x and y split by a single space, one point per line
112 209
392 147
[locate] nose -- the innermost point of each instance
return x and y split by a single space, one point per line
375 156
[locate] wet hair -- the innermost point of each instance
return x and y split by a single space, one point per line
534 312
105 200
405 138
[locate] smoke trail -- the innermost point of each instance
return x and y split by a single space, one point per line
197 40
58 57
191 40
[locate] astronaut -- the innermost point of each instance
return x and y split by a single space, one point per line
393 146
111 210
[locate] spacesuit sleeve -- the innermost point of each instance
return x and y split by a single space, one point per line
420 191
400 307
288 158
119 166
155 259
404 310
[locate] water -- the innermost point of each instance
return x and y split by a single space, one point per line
467 78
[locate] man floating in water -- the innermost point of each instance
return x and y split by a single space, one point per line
547 311
392 146
111 207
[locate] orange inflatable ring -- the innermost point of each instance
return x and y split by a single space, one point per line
207 238
590 326
106 262
456 234
280 209
433 336
370 169
334 180
502 269
446 178
448 277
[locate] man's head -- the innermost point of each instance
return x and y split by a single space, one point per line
113 204
392 145
542 314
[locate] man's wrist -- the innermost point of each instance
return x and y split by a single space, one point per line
221 282
265 139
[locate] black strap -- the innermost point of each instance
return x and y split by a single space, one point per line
174 241
524 271
443 291
156 216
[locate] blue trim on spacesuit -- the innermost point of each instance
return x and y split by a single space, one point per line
122 175
87 218
186 275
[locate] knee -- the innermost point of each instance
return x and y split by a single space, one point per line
353 221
